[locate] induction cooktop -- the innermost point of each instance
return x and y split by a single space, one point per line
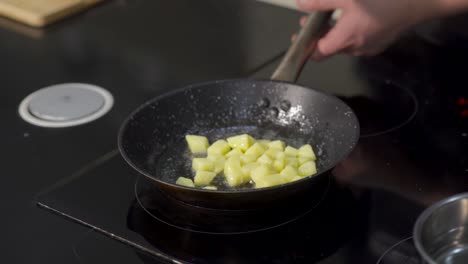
410 155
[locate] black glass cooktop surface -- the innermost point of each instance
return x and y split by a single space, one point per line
125 210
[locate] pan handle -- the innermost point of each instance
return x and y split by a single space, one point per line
300 50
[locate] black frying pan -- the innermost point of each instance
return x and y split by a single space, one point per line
152 140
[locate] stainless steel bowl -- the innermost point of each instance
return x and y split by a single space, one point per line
441 231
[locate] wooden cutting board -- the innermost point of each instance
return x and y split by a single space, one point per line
38 13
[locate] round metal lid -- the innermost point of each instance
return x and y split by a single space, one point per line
65 105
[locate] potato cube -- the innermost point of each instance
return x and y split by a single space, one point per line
269 181
296 178
219 165
279 164
248 168
213 188
264 159
260 172
306 151
293 162
203 178
272 152
277 144
220 147
281 155
185 182
245 159
241 142
246 178
234 152
264 143
303 160
307 169
214 157
218 162
255 150
233 171
197 144
291 152
202 164
289 173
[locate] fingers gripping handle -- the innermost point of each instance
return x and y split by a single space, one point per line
300 50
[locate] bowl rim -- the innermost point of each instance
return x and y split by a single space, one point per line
422 218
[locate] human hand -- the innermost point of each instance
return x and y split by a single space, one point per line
366 27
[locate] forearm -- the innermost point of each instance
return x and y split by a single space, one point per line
367 27
451 7
444 8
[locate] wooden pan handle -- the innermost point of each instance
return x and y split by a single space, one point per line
300 50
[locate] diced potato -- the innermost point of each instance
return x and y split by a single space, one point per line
218 162
306 151
246 177
272 152
303 160
203 178
291 152
255 150
289 173
293 162
264 159
241 142
296 178
233 171
234 152
260 172
220 147
197 144
264 142
248 168
242 159
219 165
279 164
268 181
307 169
247 158
214 157
185 182
202 164
277 144
281 155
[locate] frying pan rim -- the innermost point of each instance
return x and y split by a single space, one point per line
354 139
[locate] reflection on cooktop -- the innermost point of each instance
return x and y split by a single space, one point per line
402 251
388 108
192 218
308 239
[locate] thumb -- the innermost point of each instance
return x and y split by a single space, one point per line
317 5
